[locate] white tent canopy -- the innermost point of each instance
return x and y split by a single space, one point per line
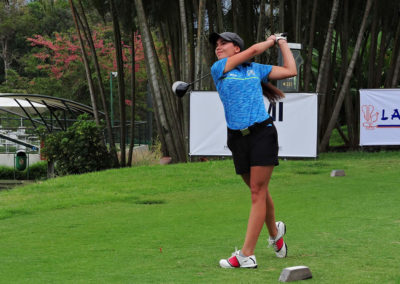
29 106
10 104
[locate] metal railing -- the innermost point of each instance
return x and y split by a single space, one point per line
142 133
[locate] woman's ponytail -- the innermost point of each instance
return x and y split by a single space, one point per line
272 93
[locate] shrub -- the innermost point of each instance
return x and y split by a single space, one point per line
6 172
79 149
37 171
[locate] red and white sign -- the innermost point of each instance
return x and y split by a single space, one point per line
379 117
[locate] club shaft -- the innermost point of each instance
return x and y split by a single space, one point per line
200 79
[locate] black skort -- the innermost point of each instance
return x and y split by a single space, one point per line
258 148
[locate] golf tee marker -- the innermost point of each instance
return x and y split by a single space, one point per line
295 273
337 173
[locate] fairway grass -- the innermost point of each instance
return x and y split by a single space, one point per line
172 224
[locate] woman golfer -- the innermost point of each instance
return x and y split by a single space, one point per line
252 137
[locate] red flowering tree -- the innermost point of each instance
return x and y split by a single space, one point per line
61 55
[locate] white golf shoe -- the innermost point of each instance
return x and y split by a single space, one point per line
278 243
237 261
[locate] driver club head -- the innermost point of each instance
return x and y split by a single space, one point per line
180 88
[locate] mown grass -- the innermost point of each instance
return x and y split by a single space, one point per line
172 224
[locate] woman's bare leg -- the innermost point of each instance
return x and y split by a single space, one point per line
262 209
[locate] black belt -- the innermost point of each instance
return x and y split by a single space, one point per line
251 129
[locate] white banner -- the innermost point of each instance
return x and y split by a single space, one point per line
295 119
379 117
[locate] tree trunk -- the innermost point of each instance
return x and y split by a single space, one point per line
234 15
330 77
396 63
121 82
348 103
10 12
382 52
165 53
281 16
298 21
271 52
168 122
199 43
86 63
395 79
89 39
325 61
190 46
271 16
261 23
5 56
395 50
373 45
176 46
308 61
220 17
325 140
185 41
345 30
261 27
133 99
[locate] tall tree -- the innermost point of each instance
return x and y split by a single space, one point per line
93 96
169 121
261 25
332 122
325 61
373 45
89 40
344 43
185 40
394 57
220 17
121 79
310 47
282 15
261 22
133 98
199 41
298 20
9 21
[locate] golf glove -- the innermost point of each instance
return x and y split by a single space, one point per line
280 36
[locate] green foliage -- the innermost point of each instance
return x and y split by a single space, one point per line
336 139
37 171
49 16
15 83
6 172
79 149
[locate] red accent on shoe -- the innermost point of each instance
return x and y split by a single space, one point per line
279 244
234 261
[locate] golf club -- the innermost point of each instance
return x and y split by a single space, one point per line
180 88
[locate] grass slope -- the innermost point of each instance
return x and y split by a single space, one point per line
172 224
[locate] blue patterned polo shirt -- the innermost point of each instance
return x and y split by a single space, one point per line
241 93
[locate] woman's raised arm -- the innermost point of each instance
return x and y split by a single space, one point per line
289 68
249 53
